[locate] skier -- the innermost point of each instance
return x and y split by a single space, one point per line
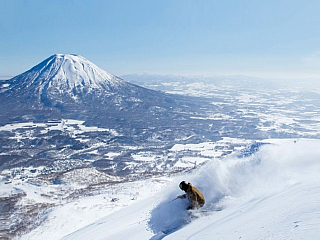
193 194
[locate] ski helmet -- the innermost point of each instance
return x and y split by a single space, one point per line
183 185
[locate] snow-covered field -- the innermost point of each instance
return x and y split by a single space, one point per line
73 127
281 108
273 193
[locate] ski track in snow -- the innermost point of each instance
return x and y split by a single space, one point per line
271 194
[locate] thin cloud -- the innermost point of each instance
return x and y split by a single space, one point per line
313 60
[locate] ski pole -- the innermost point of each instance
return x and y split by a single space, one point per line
173 200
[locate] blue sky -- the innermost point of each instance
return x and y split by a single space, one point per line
275 38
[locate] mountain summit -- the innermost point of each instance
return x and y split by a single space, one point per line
66 79
68 74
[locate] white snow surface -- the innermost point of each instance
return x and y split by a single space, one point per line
271 194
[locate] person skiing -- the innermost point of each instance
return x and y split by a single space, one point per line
193 194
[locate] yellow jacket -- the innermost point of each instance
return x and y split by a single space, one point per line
194 196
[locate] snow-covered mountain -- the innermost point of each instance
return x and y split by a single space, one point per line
67 73
70 86
66 80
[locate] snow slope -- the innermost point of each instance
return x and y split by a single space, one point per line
70 217
271 194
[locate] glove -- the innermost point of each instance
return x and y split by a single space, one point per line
182 196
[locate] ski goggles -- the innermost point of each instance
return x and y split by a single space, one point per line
180 186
